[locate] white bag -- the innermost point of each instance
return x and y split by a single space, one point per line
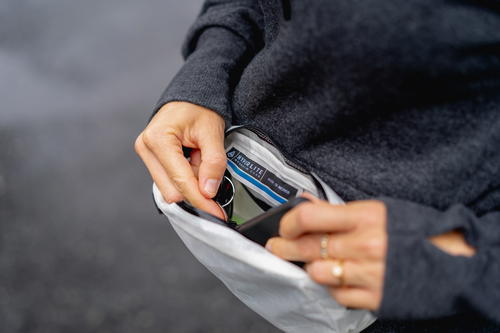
278 290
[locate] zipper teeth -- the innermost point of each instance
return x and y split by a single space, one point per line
264 137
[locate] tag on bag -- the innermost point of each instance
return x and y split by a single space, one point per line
260 181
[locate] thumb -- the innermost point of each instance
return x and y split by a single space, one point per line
213 164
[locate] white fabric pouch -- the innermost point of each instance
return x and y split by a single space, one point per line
281 292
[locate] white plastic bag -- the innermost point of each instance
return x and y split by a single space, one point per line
279 291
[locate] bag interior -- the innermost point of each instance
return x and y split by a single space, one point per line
261 177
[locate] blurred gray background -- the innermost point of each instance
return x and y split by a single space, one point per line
82 248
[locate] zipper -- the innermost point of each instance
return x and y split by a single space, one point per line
287 160
267 139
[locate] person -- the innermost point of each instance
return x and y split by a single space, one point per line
395 105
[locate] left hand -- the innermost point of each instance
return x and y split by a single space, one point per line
357 237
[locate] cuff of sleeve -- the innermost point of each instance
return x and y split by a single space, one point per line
210 73
422 281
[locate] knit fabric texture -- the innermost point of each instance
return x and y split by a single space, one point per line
389 99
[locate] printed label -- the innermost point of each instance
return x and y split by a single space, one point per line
257 171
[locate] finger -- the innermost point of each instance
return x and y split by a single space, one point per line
160 177
354 274
305 248
213 162
339 246
195 161
357 298
317 217
361 246
168 150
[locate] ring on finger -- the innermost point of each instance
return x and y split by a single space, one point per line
324 246
337 271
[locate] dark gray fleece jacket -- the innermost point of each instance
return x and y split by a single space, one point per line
390 99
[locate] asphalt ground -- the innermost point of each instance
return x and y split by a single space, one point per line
82 248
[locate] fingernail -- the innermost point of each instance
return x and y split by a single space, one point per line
211 186
269 246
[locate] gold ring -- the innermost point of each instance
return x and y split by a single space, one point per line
338 271
324 246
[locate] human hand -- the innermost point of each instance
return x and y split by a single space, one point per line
356 247
179 124
357 238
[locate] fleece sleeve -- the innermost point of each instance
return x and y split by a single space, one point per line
222 41
422 282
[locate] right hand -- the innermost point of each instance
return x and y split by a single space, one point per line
179 124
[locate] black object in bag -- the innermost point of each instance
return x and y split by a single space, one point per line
258 229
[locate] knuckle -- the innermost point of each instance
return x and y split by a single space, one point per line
370 212
139 145
303 216
285 225
154 137
151 137
217 159
174 197
374 212
375 247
